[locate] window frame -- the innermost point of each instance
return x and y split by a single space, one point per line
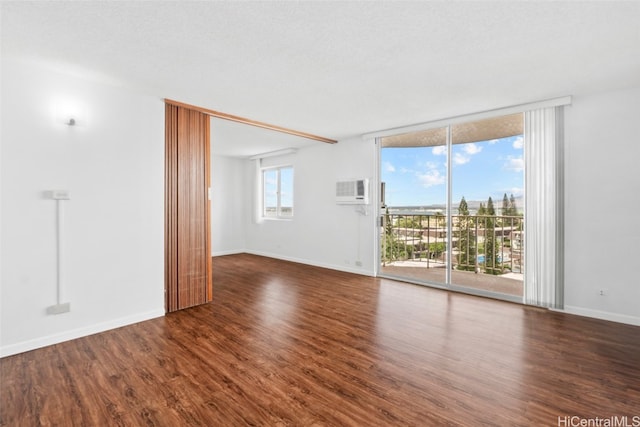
279 208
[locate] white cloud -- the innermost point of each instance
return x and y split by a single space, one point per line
493 141
518 143
432 165
516 191
515 164
460 159
464 156
472 148
388 167
439 150
431 178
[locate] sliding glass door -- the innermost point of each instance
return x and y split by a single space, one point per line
414 241
453 213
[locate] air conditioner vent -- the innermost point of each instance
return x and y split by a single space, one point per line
354 192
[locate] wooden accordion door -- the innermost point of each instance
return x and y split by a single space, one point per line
187 209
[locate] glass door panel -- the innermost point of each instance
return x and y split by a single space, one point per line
487 214
413 236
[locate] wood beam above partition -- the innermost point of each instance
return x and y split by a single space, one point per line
250 122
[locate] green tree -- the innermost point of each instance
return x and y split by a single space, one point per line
463 207
393 248
466 241
436 249
490 209
513 208
388 222
506 210
482 210
491 260
410 222
389 244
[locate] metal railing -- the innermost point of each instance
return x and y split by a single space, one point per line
481 243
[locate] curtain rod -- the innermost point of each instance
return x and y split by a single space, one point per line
250 122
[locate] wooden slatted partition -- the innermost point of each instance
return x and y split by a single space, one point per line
171 203
187 235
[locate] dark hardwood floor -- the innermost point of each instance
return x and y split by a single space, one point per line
287 344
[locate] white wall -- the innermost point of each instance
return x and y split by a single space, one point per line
321 232
602 206
227 204
112 164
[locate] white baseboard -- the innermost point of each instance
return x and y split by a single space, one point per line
36 343
231 252
361 272
603 315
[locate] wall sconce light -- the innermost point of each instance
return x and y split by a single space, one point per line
72 118
69 112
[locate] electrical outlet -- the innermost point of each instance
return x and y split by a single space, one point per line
603 292
359 263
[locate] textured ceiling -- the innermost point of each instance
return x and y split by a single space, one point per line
336 69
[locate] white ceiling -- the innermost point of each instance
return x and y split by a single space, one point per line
235 139
335 69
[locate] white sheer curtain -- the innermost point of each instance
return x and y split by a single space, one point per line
544 213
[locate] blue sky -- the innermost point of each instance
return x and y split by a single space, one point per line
417 176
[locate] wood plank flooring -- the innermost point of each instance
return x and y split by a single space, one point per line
288 344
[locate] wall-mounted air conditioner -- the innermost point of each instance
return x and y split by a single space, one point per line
352 192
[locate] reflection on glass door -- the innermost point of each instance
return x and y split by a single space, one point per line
454 207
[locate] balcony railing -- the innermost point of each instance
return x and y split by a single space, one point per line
480 243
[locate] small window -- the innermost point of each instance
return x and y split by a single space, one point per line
277 192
